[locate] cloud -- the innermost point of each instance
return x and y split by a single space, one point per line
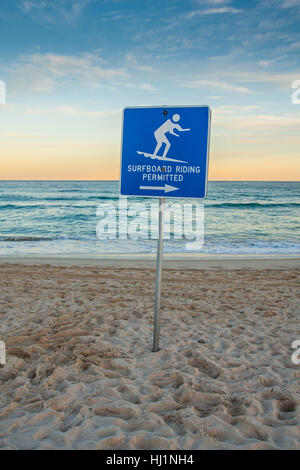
259 123
293 46
290 3
212 11
269 62
234 109
214 2
217 2
147 87
18 134
45 72
54 11
73 111
220 86
116 15
283 79
132 61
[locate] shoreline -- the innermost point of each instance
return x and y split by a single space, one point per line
171 261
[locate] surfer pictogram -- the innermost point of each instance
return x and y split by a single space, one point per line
160 136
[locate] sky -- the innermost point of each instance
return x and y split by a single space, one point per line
71 66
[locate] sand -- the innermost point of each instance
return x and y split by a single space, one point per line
80 373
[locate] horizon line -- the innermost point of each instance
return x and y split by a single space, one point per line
117 180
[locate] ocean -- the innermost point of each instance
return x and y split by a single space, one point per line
60 218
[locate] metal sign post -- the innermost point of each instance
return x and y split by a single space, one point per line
159 261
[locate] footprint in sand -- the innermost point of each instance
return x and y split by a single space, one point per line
286 408
205 366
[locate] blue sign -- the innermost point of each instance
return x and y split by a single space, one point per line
165 151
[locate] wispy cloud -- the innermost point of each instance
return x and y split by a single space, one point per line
54 11
291 47
234 109
132 61
18 134
269 62
283 79
260 123
212 11
218 85
290 3
44 72
74 111
147 87
216 2
117 15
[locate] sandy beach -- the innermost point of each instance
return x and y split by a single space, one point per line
80 373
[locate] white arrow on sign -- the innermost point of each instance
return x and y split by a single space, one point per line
166 188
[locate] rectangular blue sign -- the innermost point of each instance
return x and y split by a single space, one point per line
165 151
